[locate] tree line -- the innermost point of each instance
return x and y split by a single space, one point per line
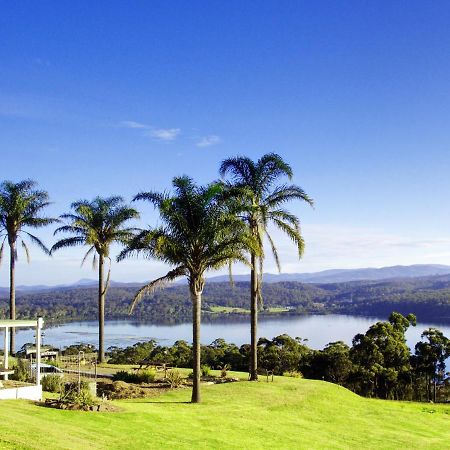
428 298
203 228
377 364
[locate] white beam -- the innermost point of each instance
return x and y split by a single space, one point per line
17 323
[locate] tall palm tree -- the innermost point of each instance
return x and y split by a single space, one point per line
20 207
98 224
198 233
260 198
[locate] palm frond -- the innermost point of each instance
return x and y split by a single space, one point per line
274 251
86 255
67 242
293 233
35 240
2 249
286 193
108 278
159 283
27 253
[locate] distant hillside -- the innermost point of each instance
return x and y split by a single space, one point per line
326 276
427 297
344 275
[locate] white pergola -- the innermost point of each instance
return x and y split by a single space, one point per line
6 325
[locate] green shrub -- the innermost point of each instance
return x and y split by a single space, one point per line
21 371
52 383
206 370
80 395
143 376
293 374
174 378
124 375
146 376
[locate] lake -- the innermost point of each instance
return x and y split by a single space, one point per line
318 330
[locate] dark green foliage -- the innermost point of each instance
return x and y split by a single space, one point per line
206 370
52 383
21 371
135 354
428 299
382 359
429 361
142 376
75 349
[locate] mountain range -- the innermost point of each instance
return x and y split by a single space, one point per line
323 277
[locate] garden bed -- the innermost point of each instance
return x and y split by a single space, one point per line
100 407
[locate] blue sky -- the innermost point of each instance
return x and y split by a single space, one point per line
100 98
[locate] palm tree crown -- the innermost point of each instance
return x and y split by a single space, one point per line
21 205
260 202
198 233
98 224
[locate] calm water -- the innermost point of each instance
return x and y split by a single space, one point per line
318 330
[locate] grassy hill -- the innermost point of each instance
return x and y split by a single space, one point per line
288 413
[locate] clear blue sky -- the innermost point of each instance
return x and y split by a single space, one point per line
113 97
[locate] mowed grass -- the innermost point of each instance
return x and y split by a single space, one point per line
288 413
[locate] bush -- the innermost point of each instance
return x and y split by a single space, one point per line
174 378
224 370
206 370
147 376
143 376
80 395
293 374
21 372
52 383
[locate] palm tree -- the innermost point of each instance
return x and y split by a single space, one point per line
20 207
260 199
98 224
198 233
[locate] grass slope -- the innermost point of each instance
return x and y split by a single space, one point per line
289 413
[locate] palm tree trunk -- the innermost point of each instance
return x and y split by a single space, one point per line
196 349
12 295
101 311
253 321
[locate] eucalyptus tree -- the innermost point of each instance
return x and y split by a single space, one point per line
260 197
21 205
198 233
98 224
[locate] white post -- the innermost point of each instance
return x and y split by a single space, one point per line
39 324
6 352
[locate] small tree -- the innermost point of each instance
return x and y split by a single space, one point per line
429 359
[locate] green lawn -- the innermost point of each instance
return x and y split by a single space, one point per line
289 413
231 310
